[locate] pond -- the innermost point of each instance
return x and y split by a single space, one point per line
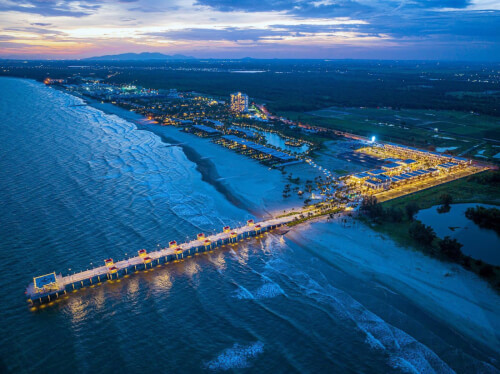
481 244
278 141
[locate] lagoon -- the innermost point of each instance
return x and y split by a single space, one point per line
479 243
279 141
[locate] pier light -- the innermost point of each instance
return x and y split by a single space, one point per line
142 253
257 228
109 262
206 242
147 259
177 249
201 236
113 269
226 229
233 235
250 222
172 244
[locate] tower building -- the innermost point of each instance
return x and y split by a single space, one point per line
239 102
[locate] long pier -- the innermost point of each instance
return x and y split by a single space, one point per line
47 288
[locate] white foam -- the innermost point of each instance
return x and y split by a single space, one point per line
243 294
404 351
236 357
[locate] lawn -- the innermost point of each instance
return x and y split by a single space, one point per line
464 190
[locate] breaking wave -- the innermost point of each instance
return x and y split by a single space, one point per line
236 357
266 291
405 352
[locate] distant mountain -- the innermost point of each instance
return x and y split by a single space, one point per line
144 56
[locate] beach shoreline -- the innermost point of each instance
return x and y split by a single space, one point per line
449 293
206 168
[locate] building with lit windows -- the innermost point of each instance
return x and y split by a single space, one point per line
239 102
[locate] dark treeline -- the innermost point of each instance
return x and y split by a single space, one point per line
492 178
488 218
298 85
424 235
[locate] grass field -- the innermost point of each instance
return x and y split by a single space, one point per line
462 190
444 130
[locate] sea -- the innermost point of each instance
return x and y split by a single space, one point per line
78 185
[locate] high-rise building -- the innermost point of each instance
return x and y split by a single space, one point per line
239 102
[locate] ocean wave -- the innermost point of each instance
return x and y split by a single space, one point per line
236 357
266 291
269 290
243 294
405 352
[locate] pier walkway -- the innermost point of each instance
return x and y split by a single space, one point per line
50 287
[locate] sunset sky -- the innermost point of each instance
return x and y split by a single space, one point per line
386 29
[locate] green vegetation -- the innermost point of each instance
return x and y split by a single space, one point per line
479 188
457 131
446 199
488 218
300 85
451 248
305 217
421 233
395 218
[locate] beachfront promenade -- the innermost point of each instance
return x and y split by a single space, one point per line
50 287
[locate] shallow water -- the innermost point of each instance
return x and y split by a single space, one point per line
79 186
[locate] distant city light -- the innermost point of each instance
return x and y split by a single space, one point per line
373 139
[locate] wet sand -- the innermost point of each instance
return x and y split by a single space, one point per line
204 165
446 291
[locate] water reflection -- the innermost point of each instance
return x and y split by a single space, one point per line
280 142
481 244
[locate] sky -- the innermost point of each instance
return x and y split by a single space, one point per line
326 29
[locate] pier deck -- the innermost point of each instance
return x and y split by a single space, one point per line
70 283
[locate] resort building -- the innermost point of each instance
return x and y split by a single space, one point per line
239 102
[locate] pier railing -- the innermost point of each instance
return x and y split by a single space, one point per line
48 288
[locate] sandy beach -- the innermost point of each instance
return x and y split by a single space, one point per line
445 290
245 182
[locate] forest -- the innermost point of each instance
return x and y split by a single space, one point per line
300 85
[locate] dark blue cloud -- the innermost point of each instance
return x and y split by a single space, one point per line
234 34
442 26
336 8
250 5
54 8
411 32
35 30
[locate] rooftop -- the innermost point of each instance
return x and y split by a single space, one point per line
260 148
207 129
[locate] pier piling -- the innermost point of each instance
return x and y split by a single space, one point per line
46 288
